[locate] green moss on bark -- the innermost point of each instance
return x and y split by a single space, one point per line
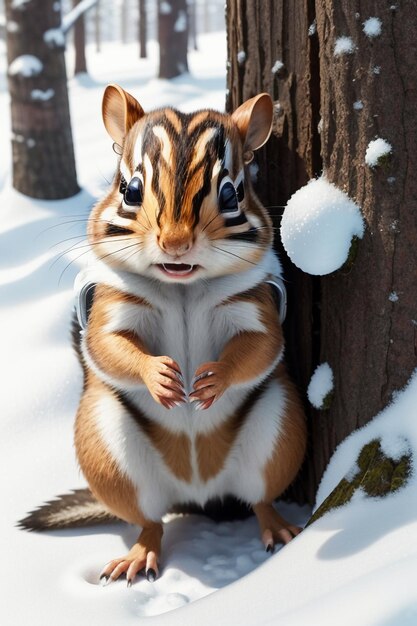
377 475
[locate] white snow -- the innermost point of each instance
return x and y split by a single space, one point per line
277 67
358 105
43 95
19 4
12 27
344 45
317 227
393 296
165 8
354 566
372 27
26 65
321 384
376 70
377 149
241 57
54 37
312 29
72 16
181 22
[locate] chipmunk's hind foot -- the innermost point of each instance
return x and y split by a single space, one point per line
143 555
274 528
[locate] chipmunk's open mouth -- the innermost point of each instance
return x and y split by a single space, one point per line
178 269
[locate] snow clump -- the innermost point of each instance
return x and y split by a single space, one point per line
19 4
181 24
393 296
165 8
358 105
343 45
317 227
312 29
54 38
241 57
321 385
42 95
277 67
26 65
377 150
372 27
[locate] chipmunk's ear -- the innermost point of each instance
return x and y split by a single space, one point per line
120 112
254 122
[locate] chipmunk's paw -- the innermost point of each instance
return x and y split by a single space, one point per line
274 528
209 384
164 381
142 556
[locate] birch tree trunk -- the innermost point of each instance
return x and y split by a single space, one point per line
43 154
362 321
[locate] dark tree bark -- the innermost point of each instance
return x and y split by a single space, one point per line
261 34
192 18
43 154
79 43
143 29
351 318
173 38
369 340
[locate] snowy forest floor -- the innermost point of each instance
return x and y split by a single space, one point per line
355 565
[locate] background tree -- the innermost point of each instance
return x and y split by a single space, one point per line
362 320
43 155
172 37
79 43
143 29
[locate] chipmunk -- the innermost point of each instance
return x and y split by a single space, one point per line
185 394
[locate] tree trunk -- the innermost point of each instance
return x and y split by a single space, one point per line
369 315
363 321
79 43
269 50
97 27
173 38
43 154
192 15
143 29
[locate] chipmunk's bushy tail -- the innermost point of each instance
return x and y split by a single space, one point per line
72 510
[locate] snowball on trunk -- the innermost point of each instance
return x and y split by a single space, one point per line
321 384
377 150
344 45
372 27
26 65
317 227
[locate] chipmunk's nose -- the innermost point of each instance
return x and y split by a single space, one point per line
176 241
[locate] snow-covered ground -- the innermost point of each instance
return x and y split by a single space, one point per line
356 565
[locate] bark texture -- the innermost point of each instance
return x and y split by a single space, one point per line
143 29
269 49
79 43
43 155
377 475
363 318
368 336
173 38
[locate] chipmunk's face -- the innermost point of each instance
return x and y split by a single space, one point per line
182 206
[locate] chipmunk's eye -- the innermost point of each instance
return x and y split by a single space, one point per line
228 201
133 194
